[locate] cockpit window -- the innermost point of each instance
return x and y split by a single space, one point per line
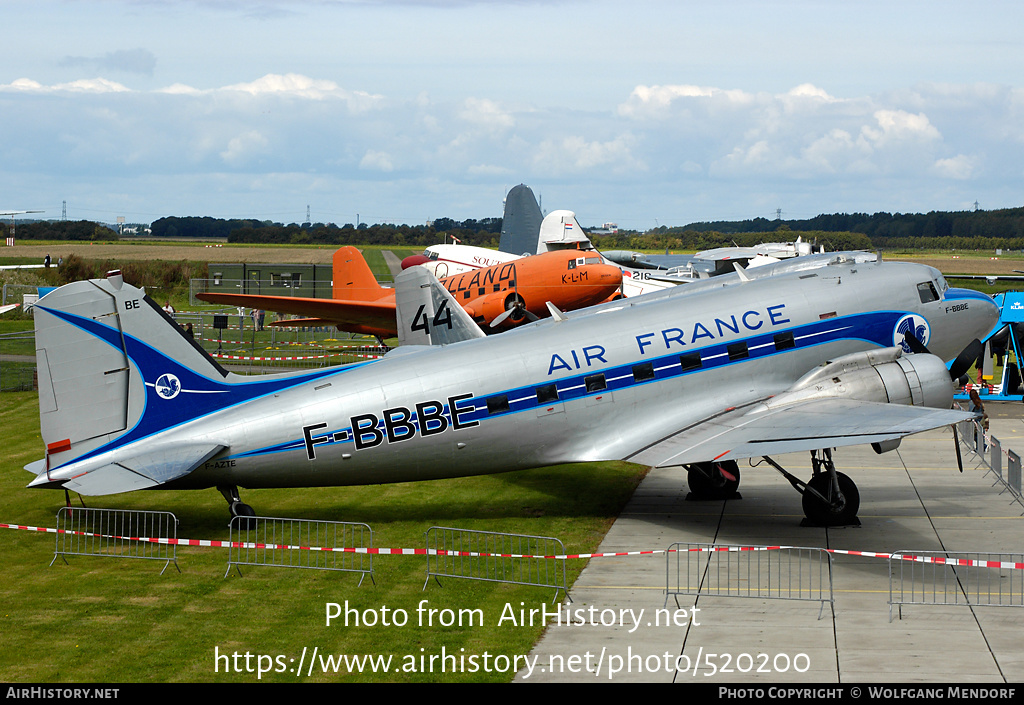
593 260
927 292
943 284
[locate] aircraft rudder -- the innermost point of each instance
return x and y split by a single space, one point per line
520 226
353 278
102 348
427 313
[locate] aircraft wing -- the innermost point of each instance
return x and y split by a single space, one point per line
373 317
755 430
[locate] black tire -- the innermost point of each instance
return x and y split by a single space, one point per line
707 483
823 513
241 516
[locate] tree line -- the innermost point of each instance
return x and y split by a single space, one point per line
965 230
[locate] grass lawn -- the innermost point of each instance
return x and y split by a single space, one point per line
96 619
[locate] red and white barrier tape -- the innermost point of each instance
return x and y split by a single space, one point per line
1012 565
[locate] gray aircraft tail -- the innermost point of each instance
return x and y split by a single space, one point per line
427 314
520 226
104 352
116 373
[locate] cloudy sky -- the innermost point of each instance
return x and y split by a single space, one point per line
646 113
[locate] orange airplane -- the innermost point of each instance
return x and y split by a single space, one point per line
502 295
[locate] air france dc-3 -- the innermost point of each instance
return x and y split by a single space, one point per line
811 354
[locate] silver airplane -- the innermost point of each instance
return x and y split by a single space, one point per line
805 355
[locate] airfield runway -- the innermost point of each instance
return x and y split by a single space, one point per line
913 498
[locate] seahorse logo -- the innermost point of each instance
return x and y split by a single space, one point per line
167 386
913 324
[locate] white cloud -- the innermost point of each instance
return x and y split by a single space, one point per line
244 147
900 125
576 154
90 85
656 101
487 114
374 160
959 167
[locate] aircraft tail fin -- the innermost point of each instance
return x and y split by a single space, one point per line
560 230
427 313
106 354
520 226
353 278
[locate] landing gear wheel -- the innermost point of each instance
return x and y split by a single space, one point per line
243 513
241 509
707 481
833 512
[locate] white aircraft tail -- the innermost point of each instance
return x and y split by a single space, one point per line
427 314
560 231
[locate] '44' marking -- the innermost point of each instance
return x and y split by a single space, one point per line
442 317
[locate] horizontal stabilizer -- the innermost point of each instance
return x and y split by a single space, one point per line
149 469
359 316
822 423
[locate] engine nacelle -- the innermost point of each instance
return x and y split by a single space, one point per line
493 305
884 375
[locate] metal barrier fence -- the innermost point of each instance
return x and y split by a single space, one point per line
300 543
495 557
970 578
116 533
714 570
17 362
974 437
316 288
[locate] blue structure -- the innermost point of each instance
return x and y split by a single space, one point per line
1007 337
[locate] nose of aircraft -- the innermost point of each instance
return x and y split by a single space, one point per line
984 311
608 272
413 260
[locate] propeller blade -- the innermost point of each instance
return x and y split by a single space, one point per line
956 444
915 345
966 358
501 317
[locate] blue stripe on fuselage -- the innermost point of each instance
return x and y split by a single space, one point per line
875 328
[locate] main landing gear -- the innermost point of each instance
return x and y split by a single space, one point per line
830 498
237 506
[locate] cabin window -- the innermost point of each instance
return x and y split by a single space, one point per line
595 383
926 290
643 372
784 341
498 404
737 351
547 394
690 361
